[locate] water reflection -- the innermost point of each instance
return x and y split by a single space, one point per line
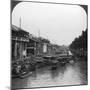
69 74
59 71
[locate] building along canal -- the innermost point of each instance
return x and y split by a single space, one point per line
72 73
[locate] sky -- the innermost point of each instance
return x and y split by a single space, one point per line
60 23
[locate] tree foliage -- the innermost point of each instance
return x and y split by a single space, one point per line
80 42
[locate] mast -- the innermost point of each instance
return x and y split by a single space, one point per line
38 33
20 22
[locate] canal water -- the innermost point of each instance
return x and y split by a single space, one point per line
73 73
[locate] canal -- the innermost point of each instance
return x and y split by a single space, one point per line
72 73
